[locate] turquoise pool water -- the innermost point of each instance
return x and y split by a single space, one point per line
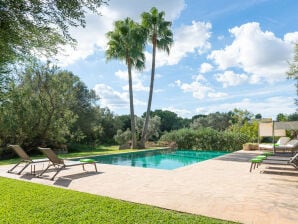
166 159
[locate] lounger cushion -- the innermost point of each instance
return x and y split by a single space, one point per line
292 143
283 140
87 160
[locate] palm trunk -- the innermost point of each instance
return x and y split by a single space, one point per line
145 129
132 115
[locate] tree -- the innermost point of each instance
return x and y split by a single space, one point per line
217 121
239 116
169 120
293 71
127 43
161 37
293 117
258 116
281 117
28 26
38 107
153 127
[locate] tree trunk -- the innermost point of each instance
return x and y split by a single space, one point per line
145 128
132 115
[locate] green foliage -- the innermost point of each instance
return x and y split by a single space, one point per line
281 117
206 139
293 117
124 121
38 106
248 129
169 120
217 121
24 202
28 26
287 117
122 137
240 116
153 127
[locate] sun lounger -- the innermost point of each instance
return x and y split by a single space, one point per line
24 159
293 161
291 146
61 164
282 141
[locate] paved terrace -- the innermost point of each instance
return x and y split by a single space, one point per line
221 188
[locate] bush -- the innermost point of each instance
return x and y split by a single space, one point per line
206 139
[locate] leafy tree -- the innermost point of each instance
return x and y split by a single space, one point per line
127 43
198 116
217 121
109 124
153 128
38 107
239 116
122 137
293 117
161 37
28 26
124 121
293 71
86 129
258 116
281 117
249 129
169 120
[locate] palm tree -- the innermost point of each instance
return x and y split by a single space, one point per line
161 37
127 43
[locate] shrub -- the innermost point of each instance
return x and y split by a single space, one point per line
206 139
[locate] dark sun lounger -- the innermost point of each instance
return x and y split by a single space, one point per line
60 164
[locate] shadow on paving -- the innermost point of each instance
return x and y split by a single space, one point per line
66 180
238 157
282 173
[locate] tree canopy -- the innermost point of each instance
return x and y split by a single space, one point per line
30 26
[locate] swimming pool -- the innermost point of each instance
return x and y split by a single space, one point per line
166 159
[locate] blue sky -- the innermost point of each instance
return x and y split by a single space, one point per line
226 54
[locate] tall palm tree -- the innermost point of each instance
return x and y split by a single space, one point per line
161 37
127 43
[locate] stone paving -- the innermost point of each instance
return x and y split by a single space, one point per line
221 188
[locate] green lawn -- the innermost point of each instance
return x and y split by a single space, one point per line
25 202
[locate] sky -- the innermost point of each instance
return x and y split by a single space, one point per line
226 54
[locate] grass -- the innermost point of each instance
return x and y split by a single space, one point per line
25 202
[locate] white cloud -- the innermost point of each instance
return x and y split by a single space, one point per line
199 88
136 79
93 36
206 67
179 112
259 53
269 107
217 94
192 38
229 78
111 98
114 100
